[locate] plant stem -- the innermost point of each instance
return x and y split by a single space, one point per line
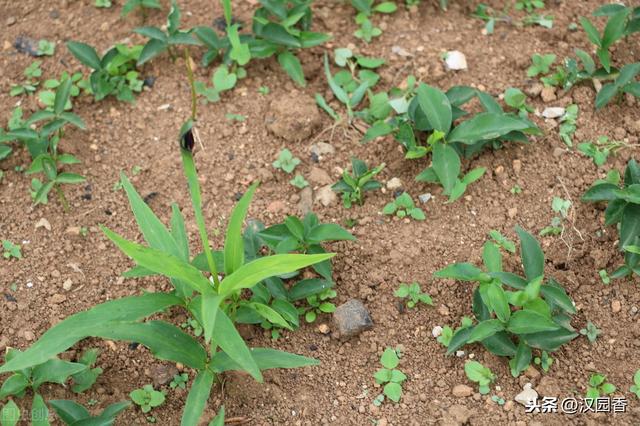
194 98
63 199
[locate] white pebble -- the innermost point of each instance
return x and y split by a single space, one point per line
437 331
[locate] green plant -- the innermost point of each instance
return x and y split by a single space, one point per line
84 379
490 16
529 5
413 293
502 241
513 323
635 388
498 400
32 73
165 41
366 9
147 398
515 98
403 206
479 374
141 5
353 185
625 82
102 4
11 250
598 386
318 304
72 413
447 332
390 376
47 97
516 189
299 181
541 64
561 207
46 48
600 150
286 161
568 124
53 370
545 21
113 74
604 276
623 207
591 332
207 298
179 381
544 361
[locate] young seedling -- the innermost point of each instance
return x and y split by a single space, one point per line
141 5
600 150
104 4
502 241
561 207
516 99
32 73
598 386
591 332
490 16
515 190
479 374
194 326
46 48
568 124
11 250
86 378
404 206
604 276
541 64
447 332
544 361
147 398
318 304
545 21
624 208
47 97
179 381
533 312
529 5
72 413
299 181
635 388
390 376
617 26
625 82
286 161
353 185
413 293
366 8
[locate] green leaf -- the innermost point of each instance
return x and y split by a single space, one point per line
14 385
150 50
600 192
257 270
498 301
531 254
521 361
197 399
629 225
209 311
227 337
500 344
265 358
233 244
526 322
62 96
605 95
85 54
328 232
10 414
592 32
491 257
218 420
615 28
54 371
270 315
161 262
389 359
165 341
460 272
277 34
393 391
557 296
39 411
69 411
486 126
223 80
291 64
549 340
66 333
459 339
484 330
446 164
435 105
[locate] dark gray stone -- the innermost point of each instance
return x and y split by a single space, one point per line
352 318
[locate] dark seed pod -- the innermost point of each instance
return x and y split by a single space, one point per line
187 141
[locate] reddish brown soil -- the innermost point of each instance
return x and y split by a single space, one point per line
388 251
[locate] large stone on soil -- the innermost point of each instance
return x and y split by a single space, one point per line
293 117
352 318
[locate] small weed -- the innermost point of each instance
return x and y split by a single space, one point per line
599 150
479 374
447 332
286 161
604 276
179 381
194 325
32 74
515 190
591 332
147 398
561 207
390 376
366 8
299 181
498 400
86 378
502 241
516 99
11 250
529 5
404 206
318 304
598 386
46 48
544 361
235 117
104 4
541 64
141 5
568 124
353 185
263 90
413 293
635 388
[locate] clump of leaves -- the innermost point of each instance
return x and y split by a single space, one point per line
635 388
511 323
87 377
516 99
529 5
545 21
502 241
366 9
561 207
318 304
479 374
299 181
353 185
32 74
104 4
623 207
286 161
490 16
141 5
598 386
113 74
179 381
222 81
390 376
568 124
413 293
625 82
165 41
147 398
544 361
46 48
541 64
72 413
404 206
447 332
591 332
10 250
600 150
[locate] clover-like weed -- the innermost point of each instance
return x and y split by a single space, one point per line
389 376
11 250
413 293
32 74
600 150
598 386
353 185
502 241
404 206
299 181
179 381
561 207
540 64
286 161
147 398
544 361
479 374
591 332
